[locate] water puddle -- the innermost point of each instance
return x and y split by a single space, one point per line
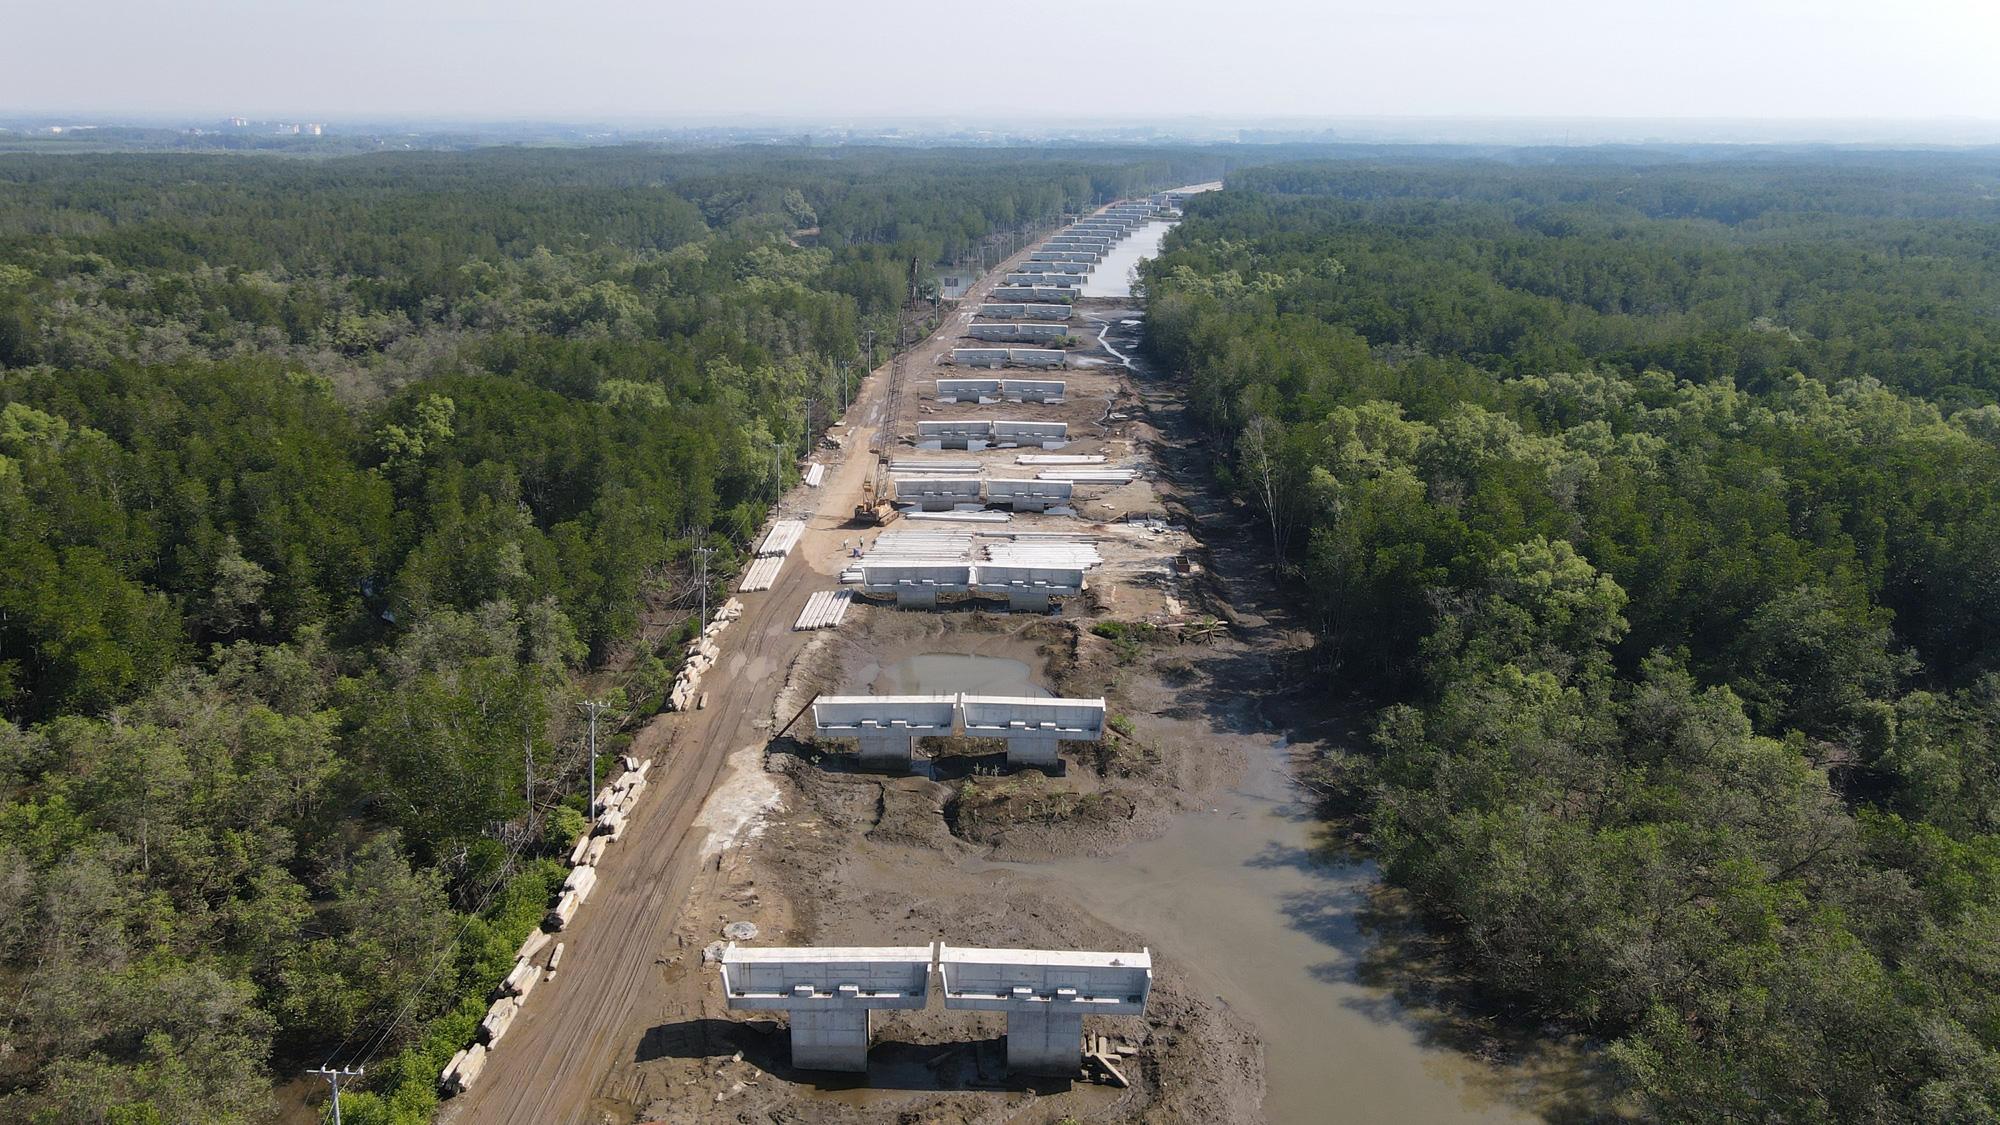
948 673
1243 895
1113 277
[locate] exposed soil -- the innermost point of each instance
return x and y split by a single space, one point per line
839 857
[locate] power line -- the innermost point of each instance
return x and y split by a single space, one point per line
333 1078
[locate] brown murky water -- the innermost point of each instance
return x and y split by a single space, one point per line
947 673
1240 894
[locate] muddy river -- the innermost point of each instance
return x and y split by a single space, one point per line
948 673
1242 894
1239 894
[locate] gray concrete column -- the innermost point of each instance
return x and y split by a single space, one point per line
836 1039
890 752
1028 601
1033 750
1048 1042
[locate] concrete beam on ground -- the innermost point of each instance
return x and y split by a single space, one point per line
968 390
937 494
1027 495
1027 432
831 992
1034 294
956 434
1038 357
1045 995
1033 390
1025 312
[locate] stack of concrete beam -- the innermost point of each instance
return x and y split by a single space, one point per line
1060 459
761 574
783 537
919 465
972 515
815 475
1076 553
824 610
1090 476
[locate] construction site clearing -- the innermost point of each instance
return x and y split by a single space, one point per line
788 842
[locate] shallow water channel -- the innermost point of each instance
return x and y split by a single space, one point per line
1240 894
1113 276
1237 894
948 673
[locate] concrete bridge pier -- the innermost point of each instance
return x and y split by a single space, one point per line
916 597
1045 994
835 1038
1045 1042
831 993
890 752
1033 750
1028 600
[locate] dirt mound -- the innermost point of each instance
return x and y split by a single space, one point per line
1028 815
913 815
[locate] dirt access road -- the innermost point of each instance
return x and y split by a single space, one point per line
553 1061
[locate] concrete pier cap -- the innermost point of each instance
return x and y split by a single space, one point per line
887 726
832 993
1033 727
1045 994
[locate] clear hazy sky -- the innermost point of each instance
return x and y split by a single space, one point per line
672 59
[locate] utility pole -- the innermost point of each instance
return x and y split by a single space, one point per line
333 1078
871 350
805 439
844 365
777 472
703 553
592 706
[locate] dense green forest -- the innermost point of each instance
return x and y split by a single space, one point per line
1659 506
326 488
